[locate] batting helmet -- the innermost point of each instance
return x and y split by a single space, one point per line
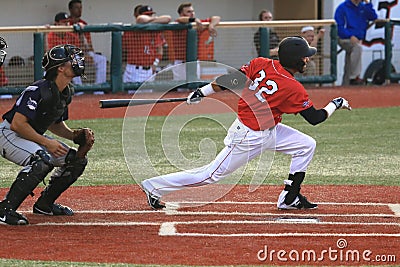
3 53
292 50
60 54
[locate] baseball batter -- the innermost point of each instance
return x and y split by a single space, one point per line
271 92
43 106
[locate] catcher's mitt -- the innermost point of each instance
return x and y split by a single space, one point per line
84 137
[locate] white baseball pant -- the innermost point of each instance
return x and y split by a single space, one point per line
135 73
242 144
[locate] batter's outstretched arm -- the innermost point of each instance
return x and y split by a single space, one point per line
233 80
316 116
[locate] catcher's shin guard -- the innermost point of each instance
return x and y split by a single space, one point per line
61 180
293 186
27 180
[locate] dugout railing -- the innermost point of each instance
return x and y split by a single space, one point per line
233 47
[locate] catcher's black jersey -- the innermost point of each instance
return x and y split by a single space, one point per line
42 104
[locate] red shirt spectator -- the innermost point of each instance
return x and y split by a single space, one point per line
142 47
57 38
205 47
3 77
92 59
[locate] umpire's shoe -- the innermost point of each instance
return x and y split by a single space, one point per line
54 209
154 201
11 217
300 202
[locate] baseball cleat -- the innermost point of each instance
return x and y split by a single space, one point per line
300 202
54 210
154 201
306 204
12 217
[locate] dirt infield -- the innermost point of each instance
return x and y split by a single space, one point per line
111 226
242 228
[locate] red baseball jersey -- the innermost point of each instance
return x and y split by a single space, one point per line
54 39
141 47
205 48
178 46
3 77
87 35
272 92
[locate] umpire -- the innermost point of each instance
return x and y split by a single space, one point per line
43 106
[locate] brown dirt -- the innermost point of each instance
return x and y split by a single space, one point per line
104 230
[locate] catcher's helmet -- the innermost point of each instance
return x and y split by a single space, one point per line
3 53
292 50
60 54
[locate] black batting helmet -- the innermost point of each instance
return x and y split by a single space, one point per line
3 53
292 50
60 54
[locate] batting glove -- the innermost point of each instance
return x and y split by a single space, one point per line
340 102
335 104
194 97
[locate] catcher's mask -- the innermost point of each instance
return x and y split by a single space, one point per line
3 53
292 50
60 54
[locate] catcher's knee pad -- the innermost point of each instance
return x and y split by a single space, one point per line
64 177
38 168
75 164
72 169
29 178
40 165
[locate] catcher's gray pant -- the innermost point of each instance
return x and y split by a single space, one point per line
19 150
242 144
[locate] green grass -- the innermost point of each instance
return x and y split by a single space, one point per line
357 147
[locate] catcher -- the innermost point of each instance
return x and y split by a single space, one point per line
43 106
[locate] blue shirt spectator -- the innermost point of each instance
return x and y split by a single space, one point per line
352 19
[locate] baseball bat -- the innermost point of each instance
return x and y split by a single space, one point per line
116 103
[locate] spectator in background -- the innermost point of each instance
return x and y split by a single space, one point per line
3 77
136 11
143 49
307 32
205 42
352 18
59 38
266 15
147 15
100 61
3 54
